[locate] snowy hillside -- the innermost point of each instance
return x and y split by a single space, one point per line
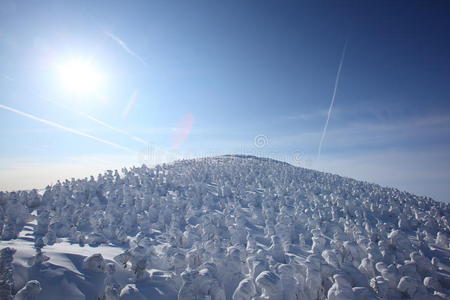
229 227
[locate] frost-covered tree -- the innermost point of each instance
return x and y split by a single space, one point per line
29 292
6 273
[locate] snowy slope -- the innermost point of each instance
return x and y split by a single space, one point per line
229 227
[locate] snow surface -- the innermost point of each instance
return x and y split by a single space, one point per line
229 227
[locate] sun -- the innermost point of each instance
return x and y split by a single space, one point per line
80 76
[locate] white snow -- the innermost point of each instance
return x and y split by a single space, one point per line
229 227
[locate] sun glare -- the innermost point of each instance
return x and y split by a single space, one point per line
80 76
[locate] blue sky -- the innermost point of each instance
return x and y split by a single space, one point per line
198 78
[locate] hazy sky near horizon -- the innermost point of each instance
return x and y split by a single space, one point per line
196 78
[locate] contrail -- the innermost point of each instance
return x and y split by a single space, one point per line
125 47
62 127
336 83
104 124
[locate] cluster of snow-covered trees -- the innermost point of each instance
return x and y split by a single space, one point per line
235 227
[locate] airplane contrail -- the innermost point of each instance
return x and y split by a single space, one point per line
336 83
104 124
62 127
125 47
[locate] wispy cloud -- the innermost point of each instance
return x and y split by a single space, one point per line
420 172
308 116
397 132
125 47
62 127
